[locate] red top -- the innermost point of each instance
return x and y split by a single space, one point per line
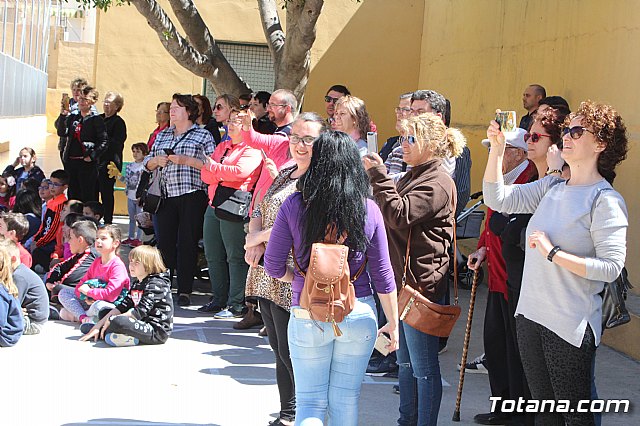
495 262
152 137
25 256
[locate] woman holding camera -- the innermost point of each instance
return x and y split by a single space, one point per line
568 259
422 205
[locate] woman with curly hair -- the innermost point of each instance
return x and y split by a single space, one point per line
352 118
576 242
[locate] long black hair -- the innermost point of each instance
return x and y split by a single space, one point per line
28 201
334 190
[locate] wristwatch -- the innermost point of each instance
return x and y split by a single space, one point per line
550 172
552 253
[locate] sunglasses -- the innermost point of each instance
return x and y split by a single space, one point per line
534 136
575 132
244 107
219 107
330 99
408 139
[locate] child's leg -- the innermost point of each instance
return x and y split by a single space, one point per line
131 208
139 233
97 307
134 328
71 305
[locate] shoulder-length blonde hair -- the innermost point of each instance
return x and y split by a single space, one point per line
431 134
149 257
358 111
6 272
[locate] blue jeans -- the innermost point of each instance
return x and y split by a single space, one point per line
328 370
419 377
133 209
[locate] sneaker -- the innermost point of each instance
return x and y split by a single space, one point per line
184 300
263 332
210 307
135 243
382 365
115 339
54 314
86 327
477 366
492 419
396 389
127 241
230 313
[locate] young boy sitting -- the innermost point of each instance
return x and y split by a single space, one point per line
32 294
93 209
70 271
44 241
14 226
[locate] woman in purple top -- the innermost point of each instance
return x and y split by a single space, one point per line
329 370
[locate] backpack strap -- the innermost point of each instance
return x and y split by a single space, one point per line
303 273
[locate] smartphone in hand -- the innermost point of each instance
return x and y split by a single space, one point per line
372 142
169 151
264 154
381 344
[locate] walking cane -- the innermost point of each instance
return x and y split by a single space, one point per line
465 346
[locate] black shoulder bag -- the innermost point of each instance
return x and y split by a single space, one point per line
229 203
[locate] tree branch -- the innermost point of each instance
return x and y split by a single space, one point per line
302 17
210 63
193 25
272 29
173 42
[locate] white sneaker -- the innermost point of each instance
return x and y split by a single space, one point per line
114 339
477 366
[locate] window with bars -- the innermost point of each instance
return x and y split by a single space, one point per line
252 62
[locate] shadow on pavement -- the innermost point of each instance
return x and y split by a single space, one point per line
132 422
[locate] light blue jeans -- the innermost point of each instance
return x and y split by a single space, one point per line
133 209
329 370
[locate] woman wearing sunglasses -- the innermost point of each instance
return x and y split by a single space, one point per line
545 132
576 242
423 203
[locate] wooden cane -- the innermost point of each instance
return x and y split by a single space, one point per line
465 346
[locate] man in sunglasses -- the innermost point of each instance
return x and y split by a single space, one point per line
531 98
502 360
334 93
258 106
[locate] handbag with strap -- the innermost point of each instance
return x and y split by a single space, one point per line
328 293
231 204
614 310
421 313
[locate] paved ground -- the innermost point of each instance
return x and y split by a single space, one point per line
210 374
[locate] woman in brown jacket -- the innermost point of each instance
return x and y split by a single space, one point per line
423 201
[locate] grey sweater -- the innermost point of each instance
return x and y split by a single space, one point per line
553 296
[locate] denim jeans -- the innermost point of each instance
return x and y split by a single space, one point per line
419 377
133 209
328 370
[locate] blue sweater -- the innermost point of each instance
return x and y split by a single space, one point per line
11 324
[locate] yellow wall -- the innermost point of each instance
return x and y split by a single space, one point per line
482 55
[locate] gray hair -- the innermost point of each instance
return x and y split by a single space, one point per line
312 117
407 95
436 100
288 98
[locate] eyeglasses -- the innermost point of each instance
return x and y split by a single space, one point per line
43 187
56 184
218 107
270 105
411 140
330 99
244 107
575 132
534 136
306 140
403 111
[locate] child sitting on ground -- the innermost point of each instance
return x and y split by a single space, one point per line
70 207
146 314
93 209
14 226
109 281
32 294
11 320
132 179
44 241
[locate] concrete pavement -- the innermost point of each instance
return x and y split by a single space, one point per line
210 374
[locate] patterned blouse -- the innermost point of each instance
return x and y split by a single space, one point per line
259 284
